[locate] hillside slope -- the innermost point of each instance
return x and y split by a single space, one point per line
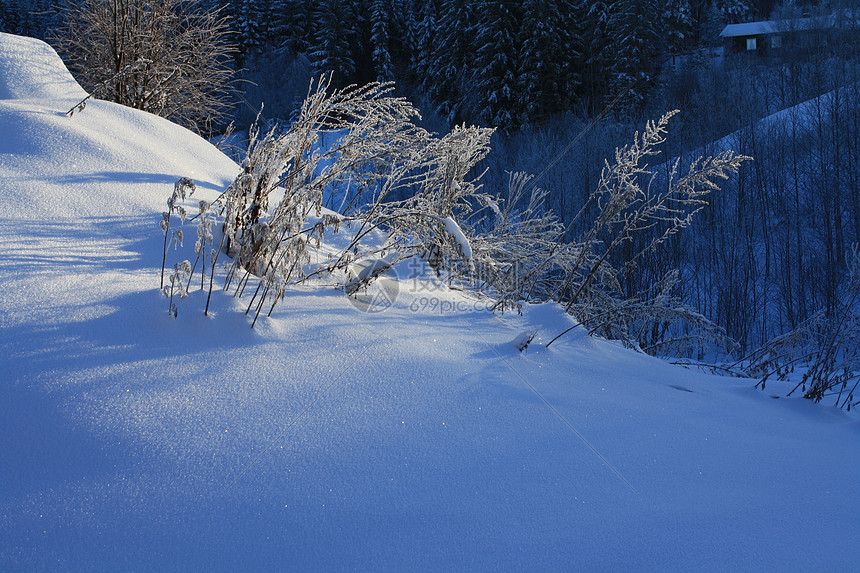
328 438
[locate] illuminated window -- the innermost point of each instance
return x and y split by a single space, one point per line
750 44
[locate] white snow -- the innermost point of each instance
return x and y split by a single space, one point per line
750 29
330 439
456 233
765 27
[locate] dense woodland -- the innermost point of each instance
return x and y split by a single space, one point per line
770 250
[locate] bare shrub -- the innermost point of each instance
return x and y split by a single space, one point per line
375 137
629 205
825 348
423 193
167 57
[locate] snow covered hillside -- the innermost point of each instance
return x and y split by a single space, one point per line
327 438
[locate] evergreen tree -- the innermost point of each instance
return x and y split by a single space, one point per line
597 48
401 34
425 42
763 8
292 24
336 41
573 48
450 66
380 41
32 18
547 52
699 12
496 48
733 11
248 17
10 20
405 22
635 28
678 25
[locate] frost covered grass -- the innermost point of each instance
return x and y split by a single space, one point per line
327 438
421 192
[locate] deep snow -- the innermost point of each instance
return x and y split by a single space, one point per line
416 438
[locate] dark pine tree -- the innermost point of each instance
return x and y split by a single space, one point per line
380 39
451 59
10 18
678 25
401 35
597 52
547 54
336 41
292 24
248 24
496 47
424 41
636 33
733 11
34 18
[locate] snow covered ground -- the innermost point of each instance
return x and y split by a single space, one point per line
327 438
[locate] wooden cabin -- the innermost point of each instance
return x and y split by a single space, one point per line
784 37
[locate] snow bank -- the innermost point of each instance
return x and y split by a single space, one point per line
31 69
105 160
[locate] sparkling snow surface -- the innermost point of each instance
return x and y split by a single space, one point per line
327 438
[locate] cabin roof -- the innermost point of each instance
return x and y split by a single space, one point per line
765 27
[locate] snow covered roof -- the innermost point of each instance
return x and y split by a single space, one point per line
765 27
749 29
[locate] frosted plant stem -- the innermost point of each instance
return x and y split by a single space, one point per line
253 298
850 395
164 257
191 275
243 283
554 411
260 306
217 255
